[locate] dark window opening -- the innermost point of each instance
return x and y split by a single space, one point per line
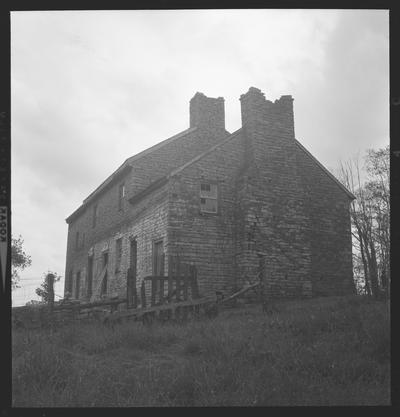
208 198
78 284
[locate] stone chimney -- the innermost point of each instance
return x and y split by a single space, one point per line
206 112
278 114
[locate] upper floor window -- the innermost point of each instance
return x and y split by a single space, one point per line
208 198
121 195
94 221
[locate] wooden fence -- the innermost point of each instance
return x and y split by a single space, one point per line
179 285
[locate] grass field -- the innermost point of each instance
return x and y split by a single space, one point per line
324 351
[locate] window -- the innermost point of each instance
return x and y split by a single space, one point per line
208 198
121 195
94 215
118 254
78 284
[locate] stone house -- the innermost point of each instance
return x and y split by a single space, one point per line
221 201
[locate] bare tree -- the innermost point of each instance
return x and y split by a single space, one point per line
370 215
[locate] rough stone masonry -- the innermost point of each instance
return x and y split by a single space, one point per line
221 201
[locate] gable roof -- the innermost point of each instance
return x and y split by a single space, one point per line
331 176
123 169
163 180
133 158
178 149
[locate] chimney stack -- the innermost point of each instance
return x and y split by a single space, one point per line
278 114
206 112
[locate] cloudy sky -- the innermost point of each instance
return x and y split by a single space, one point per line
91 88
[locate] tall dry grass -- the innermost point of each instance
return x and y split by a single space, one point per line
327 351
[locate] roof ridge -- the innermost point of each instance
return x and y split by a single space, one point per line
350 194
137 156
206 152
161 144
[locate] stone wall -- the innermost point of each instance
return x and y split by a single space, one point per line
205 239
271 196
147 223
294 213
327 206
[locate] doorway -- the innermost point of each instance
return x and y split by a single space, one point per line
90 277
133 257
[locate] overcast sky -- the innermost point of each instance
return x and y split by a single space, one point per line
89 89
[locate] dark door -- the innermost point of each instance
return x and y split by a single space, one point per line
133 257
131 276
158 258
90 276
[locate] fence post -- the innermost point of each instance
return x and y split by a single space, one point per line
135 297
194 284
129 292
178 279
261 277
162 281
185 271
153 290
170 274
143 294
50 293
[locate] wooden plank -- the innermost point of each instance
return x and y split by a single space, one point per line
99 303
194 284
204 301
261 277
135 295
162 280
143 295
129 289
160 277
240 292
178 279
185 273
161 292
153 292
170 274
96 293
